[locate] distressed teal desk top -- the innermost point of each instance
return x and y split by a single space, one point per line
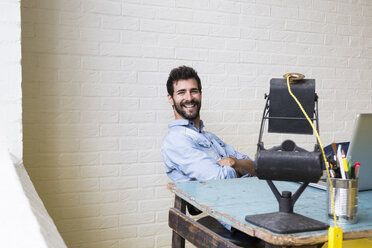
232 199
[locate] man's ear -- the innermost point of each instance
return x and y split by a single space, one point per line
170 100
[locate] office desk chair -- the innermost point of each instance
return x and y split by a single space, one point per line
288 162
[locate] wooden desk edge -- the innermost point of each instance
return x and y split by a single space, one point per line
267 236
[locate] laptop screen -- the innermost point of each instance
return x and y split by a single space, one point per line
360 149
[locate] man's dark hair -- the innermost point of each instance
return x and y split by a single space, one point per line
181 73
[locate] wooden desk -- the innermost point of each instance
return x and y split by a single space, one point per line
232 199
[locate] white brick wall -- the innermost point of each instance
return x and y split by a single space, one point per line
95 107
24 219
10 80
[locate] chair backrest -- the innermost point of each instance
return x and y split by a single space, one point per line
284 114
289 162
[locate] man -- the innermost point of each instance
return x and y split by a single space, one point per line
189 152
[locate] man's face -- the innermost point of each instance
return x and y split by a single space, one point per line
186 99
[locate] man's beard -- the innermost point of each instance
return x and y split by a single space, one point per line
184 114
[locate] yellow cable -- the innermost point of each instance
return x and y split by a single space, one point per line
321 147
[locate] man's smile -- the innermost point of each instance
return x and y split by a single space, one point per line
188 109
189 105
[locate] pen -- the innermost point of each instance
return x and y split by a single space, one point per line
339 163
357 168
334 148
331 172
335 168
330 165
344 162
352 171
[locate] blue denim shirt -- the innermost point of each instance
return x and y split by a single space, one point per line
190 154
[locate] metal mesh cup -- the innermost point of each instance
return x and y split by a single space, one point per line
345 193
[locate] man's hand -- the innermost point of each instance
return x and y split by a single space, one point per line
241 166
230 161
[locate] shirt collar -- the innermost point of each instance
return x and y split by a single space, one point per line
184 122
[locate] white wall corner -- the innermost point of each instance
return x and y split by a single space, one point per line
24 220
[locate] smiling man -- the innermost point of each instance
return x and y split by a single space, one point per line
189 152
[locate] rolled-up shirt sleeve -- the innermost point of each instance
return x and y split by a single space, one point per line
185 161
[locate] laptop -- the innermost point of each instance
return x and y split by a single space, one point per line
359 150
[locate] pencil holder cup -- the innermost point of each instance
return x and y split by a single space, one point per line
345 192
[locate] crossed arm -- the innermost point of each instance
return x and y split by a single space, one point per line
241 166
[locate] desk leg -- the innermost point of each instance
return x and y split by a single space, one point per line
177 240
